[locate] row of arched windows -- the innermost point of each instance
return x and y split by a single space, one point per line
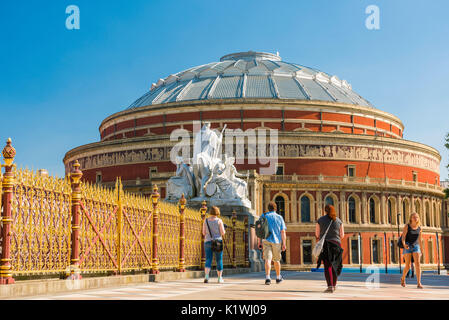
352 207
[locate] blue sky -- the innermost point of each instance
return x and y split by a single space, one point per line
57 85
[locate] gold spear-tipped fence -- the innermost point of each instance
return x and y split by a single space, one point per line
67 227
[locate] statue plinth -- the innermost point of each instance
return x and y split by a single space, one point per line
242 209
216 181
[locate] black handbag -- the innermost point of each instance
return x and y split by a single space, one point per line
216 245
400 244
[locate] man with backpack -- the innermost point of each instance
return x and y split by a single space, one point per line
270 231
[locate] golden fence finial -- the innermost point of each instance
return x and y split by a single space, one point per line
9 153
76 174
155 195
182 201
203 209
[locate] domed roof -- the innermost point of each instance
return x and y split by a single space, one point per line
250 75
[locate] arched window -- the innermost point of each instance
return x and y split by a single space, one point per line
351 210
280 203
372 211
418 209
390 212
305 209
329 200
428 222
404 211
436 215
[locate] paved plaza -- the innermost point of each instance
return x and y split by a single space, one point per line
296 286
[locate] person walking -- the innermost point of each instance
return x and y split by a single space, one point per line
213 229
332 252
412 240
274 243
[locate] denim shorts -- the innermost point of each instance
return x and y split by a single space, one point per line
412 249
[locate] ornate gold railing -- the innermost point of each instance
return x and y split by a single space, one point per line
240 230
98 245
168 244
228 243
193 238
136 231
40 240
66 227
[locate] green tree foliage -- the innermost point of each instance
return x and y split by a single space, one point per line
446 191
447 142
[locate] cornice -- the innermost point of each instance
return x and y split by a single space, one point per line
285 137
249 104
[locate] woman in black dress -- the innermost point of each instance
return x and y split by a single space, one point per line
412 240
331 255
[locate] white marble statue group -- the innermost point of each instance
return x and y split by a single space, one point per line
209 175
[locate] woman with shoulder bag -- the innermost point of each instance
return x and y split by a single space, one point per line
213 231
331 229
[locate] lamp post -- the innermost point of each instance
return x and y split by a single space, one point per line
399 249
360 251
386 252
438 252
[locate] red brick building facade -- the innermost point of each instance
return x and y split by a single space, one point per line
333 147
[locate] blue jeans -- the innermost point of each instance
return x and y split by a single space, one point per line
210 255
412 249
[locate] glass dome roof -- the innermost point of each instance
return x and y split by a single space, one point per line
250 75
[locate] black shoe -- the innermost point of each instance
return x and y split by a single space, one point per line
279 280
267 281
206 281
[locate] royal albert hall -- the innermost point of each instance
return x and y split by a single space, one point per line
333 147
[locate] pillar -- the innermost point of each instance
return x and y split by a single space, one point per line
364 208
319 206
266 198
343 211
155 199
234 242
398 209
7 185
383 209
119 189
246 239
203 218
182 234
75 179
294 207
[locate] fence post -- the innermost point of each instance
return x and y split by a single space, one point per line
203 211
119 188
182 234
75 178
8 184
246 237
155 198
234 219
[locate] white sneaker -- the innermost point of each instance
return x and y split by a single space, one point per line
220 280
